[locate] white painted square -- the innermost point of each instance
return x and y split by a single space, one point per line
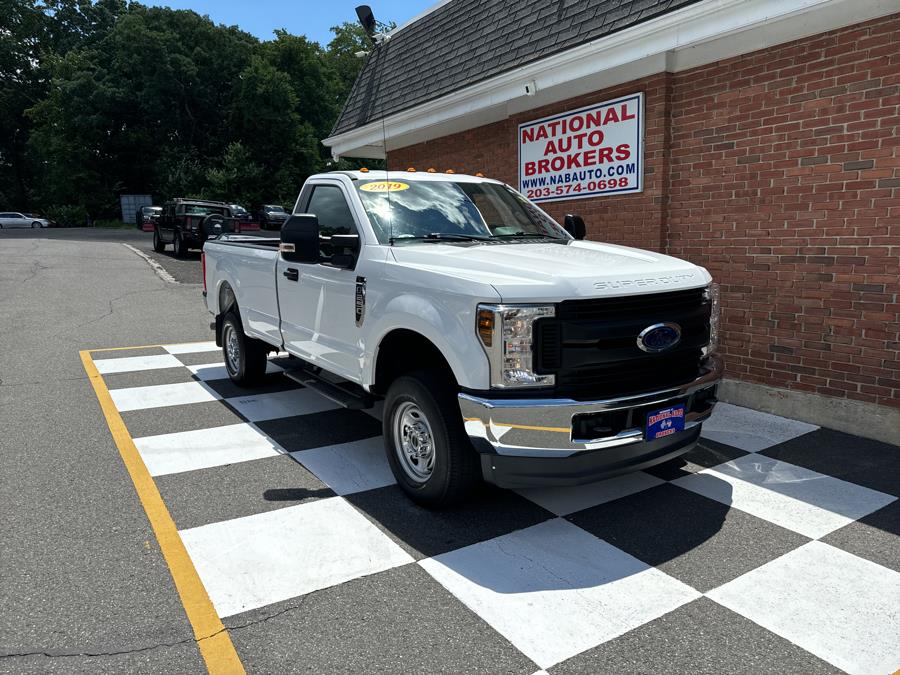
751 430
554 590
259 407
161 395
203 448
268 557
217 371
831 603
134 363
793 497
349 467
565 500
192 347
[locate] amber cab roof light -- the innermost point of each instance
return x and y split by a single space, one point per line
411 169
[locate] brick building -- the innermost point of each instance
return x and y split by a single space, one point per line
769 155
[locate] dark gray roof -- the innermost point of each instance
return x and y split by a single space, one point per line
466 41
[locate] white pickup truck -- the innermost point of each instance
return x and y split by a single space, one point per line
504 346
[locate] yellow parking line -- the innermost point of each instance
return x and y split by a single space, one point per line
118 349
212 637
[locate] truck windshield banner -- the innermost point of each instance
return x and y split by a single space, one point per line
591 151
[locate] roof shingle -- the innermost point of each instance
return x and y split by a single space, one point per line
467 41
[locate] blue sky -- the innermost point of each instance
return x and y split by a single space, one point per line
312 18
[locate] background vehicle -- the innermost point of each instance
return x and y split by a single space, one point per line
504 347
147 217
18 219
187 223
272 216
244 221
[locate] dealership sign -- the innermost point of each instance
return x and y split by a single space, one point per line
591 151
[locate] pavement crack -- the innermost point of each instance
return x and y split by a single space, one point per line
60 654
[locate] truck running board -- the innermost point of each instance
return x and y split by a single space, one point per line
345 395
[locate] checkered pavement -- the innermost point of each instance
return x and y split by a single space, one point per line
772 547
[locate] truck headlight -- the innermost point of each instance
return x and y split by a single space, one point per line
711 294
507 334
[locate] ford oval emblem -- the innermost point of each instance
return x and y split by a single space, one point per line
659 337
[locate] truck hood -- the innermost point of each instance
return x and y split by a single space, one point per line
535 271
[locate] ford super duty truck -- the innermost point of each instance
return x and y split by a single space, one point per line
504 347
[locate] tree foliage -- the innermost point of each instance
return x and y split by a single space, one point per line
102 98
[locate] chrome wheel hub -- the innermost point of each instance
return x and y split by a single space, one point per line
413 441
232 349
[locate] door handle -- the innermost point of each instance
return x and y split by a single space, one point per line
291 273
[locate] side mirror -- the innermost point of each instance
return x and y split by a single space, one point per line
300 239
345 248
574 225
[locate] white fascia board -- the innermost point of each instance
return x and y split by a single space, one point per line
702 33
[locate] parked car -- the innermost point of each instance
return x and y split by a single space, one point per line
187 223
272 216
147 217
10 219
244 220
37 217
504 346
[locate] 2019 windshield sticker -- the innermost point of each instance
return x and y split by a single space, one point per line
384 186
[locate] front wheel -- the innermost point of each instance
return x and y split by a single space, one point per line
35 225
426 445
158 244
245 357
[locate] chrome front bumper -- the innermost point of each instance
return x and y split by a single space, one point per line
543 428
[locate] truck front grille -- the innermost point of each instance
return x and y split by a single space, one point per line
591 345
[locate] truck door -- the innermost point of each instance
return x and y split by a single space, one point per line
318 308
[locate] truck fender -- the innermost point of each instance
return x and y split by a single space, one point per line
446 330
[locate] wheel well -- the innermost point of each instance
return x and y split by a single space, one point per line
403 351
226 298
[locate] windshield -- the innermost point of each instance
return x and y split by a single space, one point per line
153 209
412 210
276 209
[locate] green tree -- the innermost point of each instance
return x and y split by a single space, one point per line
103 97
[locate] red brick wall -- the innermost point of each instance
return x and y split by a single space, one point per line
778 171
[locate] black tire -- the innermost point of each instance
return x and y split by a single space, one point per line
181 249
247 367
428 395
35 225
158 245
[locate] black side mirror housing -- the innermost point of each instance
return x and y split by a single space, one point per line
345 249
574 225
300 239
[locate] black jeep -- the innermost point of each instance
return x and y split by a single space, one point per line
187 223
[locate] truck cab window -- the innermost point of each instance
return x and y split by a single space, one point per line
329 204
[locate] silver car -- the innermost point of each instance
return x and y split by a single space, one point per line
16 219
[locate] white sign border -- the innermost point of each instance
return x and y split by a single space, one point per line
581 195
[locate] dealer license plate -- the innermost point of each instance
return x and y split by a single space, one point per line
664 422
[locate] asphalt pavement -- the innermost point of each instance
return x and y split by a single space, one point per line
84 587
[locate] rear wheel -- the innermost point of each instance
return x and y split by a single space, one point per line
245 357
158 244
180 247
426 445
